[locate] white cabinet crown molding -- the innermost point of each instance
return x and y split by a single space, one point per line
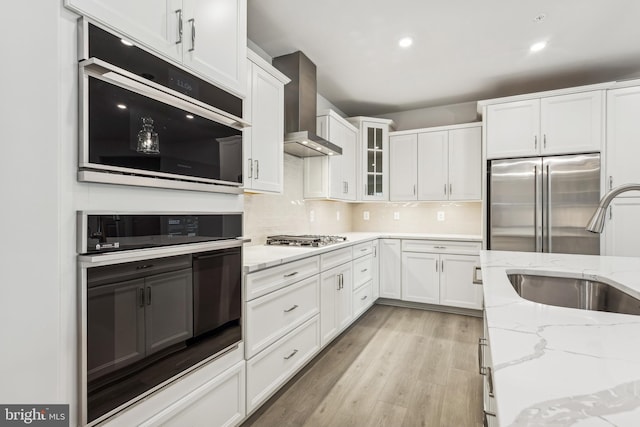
435 128
266 65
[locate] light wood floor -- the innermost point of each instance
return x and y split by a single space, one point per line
395 367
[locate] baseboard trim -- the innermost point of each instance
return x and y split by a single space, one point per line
430 307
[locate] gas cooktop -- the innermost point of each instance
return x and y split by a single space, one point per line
304 240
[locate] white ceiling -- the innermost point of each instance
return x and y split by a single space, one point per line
464 50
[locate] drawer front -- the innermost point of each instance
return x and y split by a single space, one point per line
362 299
335 258
264 281
362 271
272 316
362 249
441 246
273 367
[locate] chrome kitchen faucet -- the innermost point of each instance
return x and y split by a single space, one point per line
596 223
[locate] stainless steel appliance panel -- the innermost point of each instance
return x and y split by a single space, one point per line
515 220
571 194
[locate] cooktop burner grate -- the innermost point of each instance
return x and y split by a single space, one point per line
304 240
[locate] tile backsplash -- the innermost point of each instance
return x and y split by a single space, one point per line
267 214
419 217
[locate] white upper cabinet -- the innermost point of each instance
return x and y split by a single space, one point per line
465 164
571 123
623 137
443 163
206 36
432 161
513 129
403 167
562 124
373 153
263 141
333 177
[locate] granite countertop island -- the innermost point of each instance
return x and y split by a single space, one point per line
258 257
556 366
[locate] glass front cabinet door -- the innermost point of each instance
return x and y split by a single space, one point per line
374 157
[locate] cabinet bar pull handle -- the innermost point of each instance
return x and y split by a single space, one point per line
481 343
341 281
477 278
364 250
179 15
375 252
440 247
293 353
535 142
436 266
450 189
363 298
544 140
193 34
414 189
257 169
291 309
445 189
291 274
610 182
362 271
250 168
442 264
148 295
141 297
338 283
490 381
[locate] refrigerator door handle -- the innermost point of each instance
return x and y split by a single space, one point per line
535 207
548 249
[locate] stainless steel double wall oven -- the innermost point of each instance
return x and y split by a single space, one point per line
159 295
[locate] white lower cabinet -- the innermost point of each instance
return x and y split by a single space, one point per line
271 368
486 370
456 281
420 277
275 314
375 282
390 274
211 395
218 402
362 299
336 287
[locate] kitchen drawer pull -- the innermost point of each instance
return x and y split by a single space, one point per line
490 381
363 298
291 274
363 270
440 247
291 309
364 249
293 353
482 342
485 421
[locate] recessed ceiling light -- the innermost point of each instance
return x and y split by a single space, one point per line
126 42
541 17
405 42
122 106
537 47
189 116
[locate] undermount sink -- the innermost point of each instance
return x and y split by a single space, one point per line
574 293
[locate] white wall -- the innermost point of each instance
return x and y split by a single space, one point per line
434 116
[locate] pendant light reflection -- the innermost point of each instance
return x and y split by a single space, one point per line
148 141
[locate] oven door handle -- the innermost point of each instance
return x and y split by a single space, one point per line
117 76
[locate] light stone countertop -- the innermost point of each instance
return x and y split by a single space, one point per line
259 257
557 366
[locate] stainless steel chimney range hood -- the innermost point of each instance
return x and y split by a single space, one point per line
300 97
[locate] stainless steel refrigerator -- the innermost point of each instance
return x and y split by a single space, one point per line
542 204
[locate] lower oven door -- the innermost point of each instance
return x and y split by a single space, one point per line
217 287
